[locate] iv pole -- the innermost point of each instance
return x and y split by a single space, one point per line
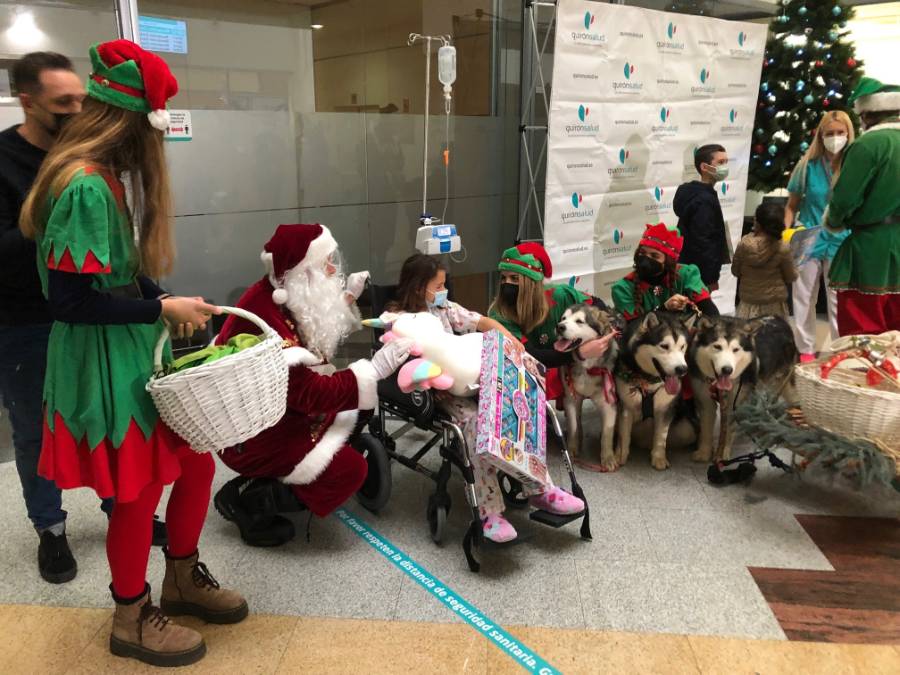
445 41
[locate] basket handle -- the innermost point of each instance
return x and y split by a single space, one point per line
268 332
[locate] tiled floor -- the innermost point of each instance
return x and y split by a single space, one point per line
49 641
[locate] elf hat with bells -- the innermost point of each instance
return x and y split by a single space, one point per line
127 76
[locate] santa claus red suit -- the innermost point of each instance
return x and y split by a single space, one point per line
303 298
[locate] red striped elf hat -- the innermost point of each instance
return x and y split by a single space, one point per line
128 76
663 239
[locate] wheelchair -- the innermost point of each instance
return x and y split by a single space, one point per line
419 410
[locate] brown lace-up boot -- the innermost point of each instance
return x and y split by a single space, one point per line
189 588
141 631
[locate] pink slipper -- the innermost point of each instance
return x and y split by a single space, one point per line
558 501
807 358
498 529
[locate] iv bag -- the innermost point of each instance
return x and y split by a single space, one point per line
447 65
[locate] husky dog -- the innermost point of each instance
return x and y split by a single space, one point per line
730 357
648 379
591 378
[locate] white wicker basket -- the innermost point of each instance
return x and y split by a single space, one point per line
225 402
840 405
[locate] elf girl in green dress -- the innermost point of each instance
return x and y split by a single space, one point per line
101 429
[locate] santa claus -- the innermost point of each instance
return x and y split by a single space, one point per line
305 460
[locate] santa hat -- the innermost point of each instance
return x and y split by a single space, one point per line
127 76
295 247
871 95
662 239
529 259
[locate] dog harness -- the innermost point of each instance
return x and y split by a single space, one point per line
642 383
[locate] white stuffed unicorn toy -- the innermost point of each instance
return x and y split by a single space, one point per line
450 362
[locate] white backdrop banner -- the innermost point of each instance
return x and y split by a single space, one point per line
635 92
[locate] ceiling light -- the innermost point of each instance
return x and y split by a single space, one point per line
24 31
316 26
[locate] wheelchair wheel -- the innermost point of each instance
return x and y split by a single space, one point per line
437 518
511 489
376 490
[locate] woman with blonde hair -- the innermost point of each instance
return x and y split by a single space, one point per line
810 189
97 254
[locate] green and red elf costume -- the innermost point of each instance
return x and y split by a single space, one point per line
633 296
532 261
101 428
866 201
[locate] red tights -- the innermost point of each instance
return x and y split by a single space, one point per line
130 530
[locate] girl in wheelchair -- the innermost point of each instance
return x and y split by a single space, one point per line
422 288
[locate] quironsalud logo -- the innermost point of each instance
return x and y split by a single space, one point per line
660 203
743 49
626 168
630 85
619 245
705 87
727 197
581 210
583 127
586 34
671 43
732 128
724 188
665 128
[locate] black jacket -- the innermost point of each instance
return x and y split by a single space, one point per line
703 228
21 299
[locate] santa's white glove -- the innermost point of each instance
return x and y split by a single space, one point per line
356 284
390 357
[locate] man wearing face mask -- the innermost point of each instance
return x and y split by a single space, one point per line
49 92
700 216
866 201
658 281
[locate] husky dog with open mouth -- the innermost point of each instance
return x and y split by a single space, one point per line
591 378
730 357
648 379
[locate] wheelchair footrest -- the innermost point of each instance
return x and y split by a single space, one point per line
554 519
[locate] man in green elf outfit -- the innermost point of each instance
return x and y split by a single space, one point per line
866 201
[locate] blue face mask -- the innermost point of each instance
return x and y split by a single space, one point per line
440 299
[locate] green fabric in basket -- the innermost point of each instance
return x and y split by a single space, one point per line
212 353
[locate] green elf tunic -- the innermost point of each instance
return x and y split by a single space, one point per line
866 200
629 290
101 429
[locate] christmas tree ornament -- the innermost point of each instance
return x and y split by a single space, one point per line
807 31
764 86
826 102
836 11
851 62
819 64
800 85
771 110
808 99
759 149
832 35
804 146
773 149
802 11
760 132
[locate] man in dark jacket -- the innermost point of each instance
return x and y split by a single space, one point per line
700 216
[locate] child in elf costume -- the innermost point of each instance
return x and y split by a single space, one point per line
530 309
101 429
658 281
422 288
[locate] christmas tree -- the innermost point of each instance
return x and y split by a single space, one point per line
809 68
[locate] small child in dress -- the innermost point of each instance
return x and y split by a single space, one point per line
764 265
422 288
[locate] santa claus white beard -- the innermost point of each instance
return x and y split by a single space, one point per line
323 316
